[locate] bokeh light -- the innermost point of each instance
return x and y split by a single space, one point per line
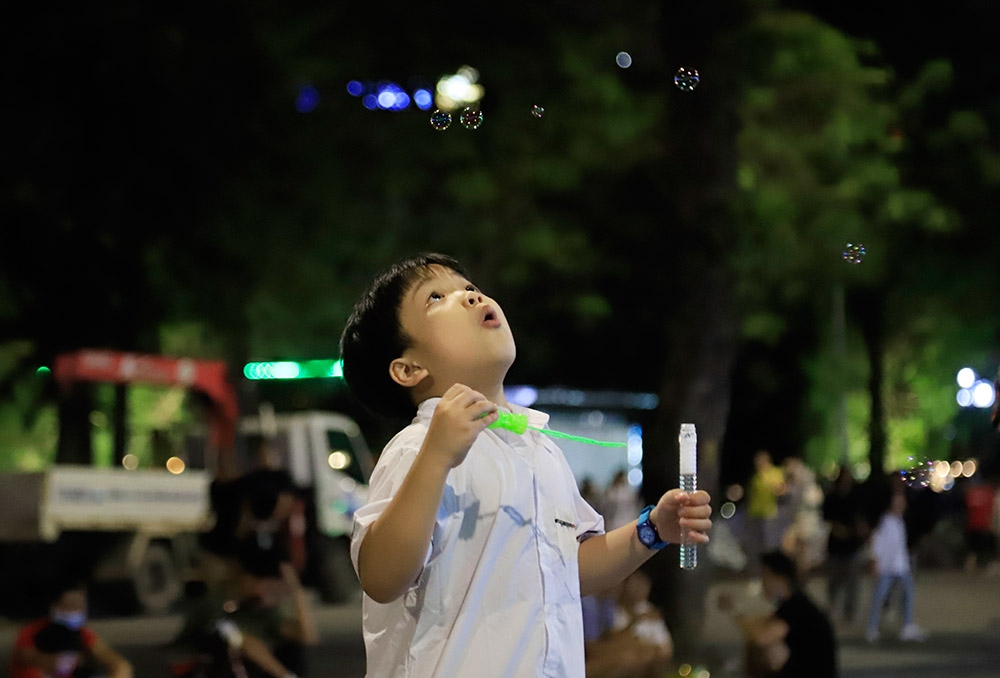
623 59
423 99
338 460
537 111
727 510
966 377
983 394
307 99
355 88
175 465
460 89
734 492
130 461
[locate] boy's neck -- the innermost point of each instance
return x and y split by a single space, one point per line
494 394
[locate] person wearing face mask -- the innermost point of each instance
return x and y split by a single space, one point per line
61 645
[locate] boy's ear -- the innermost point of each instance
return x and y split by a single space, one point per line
406 373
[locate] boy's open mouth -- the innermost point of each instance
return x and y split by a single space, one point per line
490 317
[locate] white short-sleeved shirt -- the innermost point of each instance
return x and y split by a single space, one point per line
888 546
499 593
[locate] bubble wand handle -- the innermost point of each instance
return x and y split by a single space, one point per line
518 423
688 441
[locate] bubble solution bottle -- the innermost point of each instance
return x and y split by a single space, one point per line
688 441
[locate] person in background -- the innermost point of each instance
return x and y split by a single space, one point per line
980 540
636 642
766 485
797 638
892 565
61 644
843 513
620 500
266 621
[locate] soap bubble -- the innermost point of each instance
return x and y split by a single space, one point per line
854 253
440 120
471 118
918 472
623 59
686 79
537 111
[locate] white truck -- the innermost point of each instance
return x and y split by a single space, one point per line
140 528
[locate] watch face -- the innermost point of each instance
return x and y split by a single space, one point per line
646 535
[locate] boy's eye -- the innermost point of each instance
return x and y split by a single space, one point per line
435 295
471 288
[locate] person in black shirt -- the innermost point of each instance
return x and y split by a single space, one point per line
797 639
844 514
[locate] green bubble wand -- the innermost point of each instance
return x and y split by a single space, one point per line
518 423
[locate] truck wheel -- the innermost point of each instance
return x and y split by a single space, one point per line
156 583
337 581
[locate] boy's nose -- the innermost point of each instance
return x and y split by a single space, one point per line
474 298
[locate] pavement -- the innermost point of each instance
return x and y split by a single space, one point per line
959 610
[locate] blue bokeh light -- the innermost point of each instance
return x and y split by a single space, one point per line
307 99
370 102
423 99
355 88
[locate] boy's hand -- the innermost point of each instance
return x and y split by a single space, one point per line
678 510
461 415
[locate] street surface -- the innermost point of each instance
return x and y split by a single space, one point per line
960 611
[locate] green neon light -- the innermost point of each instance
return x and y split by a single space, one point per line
295 369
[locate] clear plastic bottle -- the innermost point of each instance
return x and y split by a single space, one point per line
688 441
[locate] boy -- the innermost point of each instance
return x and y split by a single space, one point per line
475 545
61 643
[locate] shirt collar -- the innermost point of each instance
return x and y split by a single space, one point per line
535 418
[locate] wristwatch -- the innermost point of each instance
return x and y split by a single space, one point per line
647 531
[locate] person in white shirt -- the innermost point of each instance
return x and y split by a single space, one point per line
475 545
892 565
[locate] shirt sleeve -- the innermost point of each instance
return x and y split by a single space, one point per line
89 637
390 471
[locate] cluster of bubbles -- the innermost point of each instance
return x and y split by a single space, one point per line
686 79
918 473
854 253
470 118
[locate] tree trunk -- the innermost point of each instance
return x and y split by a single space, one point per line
870 312
701 329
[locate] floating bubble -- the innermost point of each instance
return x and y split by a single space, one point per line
623 59
686 79
854 253
537 111
918 473
471 118
440 120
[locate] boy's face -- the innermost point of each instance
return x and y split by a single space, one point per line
459 335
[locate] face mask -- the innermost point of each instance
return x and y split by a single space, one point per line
71 620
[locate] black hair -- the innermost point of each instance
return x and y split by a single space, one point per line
373 336
781 565
66 583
